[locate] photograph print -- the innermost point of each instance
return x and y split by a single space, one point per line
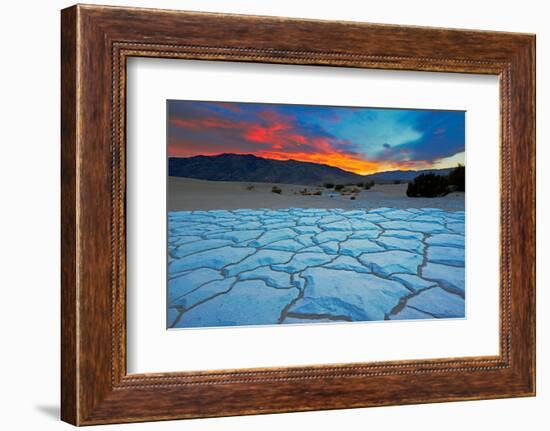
304 214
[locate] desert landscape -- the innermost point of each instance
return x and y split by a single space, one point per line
257 253
191 194
306 222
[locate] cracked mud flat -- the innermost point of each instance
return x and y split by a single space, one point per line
264 267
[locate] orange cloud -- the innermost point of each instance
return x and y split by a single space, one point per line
335 159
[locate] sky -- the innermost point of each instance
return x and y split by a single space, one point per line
359 140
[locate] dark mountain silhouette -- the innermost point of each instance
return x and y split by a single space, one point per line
250 168
234 167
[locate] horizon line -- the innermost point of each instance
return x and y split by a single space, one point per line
313 163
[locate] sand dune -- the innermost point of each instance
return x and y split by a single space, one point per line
191 194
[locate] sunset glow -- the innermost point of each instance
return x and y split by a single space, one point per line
359 140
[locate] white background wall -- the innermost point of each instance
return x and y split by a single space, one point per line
29 214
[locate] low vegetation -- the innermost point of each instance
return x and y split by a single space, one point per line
276 189
368 185
433 185
350 190
428 186
457 178
347 189
307 192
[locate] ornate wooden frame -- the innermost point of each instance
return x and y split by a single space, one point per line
95 43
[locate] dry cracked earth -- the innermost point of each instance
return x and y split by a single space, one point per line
257 267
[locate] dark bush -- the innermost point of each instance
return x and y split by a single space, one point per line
276 189
428 185
329 185
397 181
367 185
433 185
338 187
457 178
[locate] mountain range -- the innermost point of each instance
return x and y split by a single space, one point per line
250 168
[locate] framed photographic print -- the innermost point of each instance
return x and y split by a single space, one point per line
342 210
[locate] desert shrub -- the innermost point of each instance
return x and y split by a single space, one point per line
349 190
397 181
276 189
352 198
250 187
428 185
329 185
339 187
306 192
457 178
368 185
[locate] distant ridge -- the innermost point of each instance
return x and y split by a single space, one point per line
250 168
400 175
